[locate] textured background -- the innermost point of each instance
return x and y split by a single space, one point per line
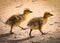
12 7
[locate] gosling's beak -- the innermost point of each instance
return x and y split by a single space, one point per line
30 11
51 14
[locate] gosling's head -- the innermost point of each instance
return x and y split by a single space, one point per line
47 14
27 11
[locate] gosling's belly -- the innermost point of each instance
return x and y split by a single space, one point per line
18 23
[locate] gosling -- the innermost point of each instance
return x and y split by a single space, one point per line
16 20
38 22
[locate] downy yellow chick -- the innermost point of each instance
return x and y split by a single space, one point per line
16 20
38 22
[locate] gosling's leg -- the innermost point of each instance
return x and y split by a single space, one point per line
30 33
40 27
11 29
23 28
41 32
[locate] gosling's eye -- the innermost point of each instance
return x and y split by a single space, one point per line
28 10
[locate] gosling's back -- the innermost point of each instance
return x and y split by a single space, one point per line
15 20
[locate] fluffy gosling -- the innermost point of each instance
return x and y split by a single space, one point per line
38 22
16 20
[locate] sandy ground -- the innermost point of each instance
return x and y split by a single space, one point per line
52 28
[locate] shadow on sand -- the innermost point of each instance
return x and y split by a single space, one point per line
5 35
14 41
20 40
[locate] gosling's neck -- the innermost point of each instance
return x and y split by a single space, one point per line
25 14
45 17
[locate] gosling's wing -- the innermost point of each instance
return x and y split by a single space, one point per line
20 16
35 21
40 20
13 19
